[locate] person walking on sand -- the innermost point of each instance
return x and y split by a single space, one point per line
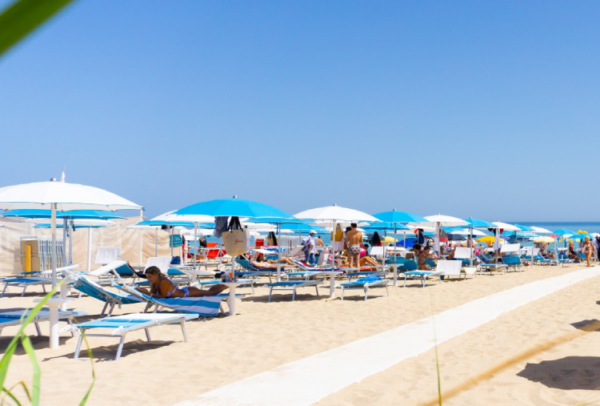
588 250
354 239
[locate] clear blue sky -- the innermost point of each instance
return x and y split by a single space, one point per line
468 108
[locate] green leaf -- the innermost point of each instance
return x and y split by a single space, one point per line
10 395
37 372
89 352
10 350
23 17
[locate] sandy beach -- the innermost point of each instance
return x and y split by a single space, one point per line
265 335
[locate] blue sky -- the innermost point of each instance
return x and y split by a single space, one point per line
467 108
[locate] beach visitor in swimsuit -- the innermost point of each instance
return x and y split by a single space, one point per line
354 239
588 250
162 287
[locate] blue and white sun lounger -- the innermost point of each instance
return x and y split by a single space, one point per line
422 275
366 283
207 306
16 317
293 285
25 283
111 299
121 325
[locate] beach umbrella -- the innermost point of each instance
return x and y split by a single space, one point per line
543 240
331 215
563 231
439 221
401 217
60 196
474 224
490 239
234 207
523 228
540 230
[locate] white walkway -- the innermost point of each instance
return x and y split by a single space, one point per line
308 380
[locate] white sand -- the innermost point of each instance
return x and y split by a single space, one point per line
266 335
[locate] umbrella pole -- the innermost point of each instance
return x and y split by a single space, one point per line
54 342
195 243
156 242
436 242
171 242
71 230
333 244
472 248
89 250
64 244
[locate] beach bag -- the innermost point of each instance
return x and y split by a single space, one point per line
236 242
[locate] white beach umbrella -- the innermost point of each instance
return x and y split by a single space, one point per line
505 226
441 220
331 215
335 213
475 232
60 196
540 230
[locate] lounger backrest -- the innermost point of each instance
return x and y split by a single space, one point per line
409 265
322 258
463 252
163 263
104 270
106 255
296 251
377 252
510 248
512 260
449 267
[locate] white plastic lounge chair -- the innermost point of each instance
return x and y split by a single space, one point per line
16 317
25 282
450 268
422 275
206 306
111 299
121 325
467 257
365 284
293 285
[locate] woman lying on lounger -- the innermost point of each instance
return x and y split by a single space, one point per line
161 286
261 263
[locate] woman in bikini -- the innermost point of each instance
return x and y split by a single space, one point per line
588 250
161 286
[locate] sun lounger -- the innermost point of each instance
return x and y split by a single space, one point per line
25 283
243 282
293 285
422 275
368 271
490 266
111 299
252 271
366 283
121 325
540 260
512 262
206 306
449 268
16 317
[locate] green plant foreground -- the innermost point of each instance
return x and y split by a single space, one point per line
23 17
33 395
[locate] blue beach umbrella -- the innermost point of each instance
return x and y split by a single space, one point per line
403 217
233 207
71 214
563 231
476 223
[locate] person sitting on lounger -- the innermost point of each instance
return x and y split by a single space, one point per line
270 264
162 287
422 254
364 261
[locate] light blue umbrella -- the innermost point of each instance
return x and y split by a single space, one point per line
71 214
233 207
476 223
403 217
563 231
